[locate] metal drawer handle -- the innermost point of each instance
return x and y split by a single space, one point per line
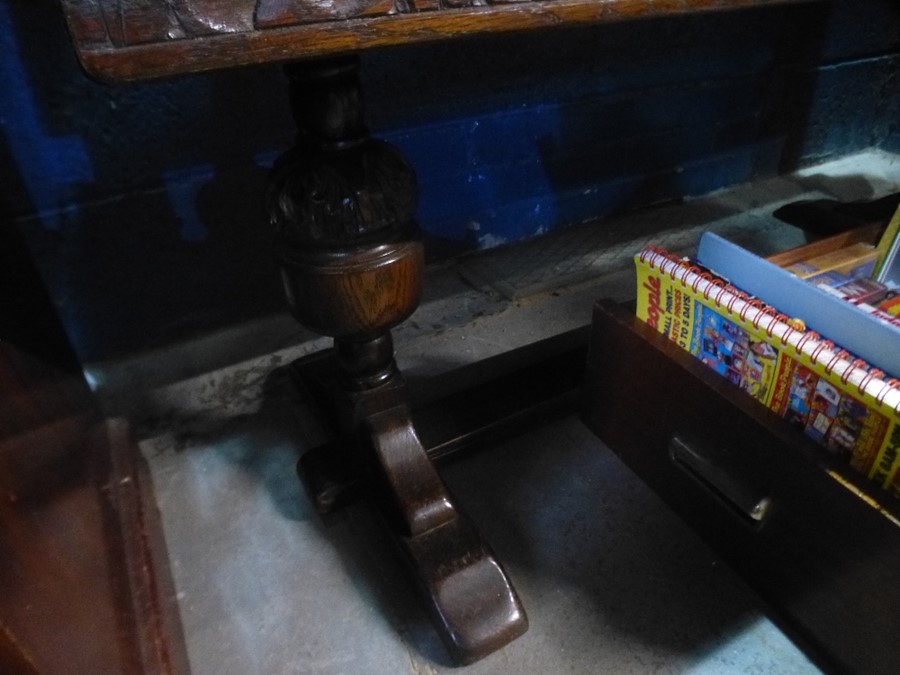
748 505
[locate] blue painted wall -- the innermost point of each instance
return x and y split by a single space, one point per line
142 203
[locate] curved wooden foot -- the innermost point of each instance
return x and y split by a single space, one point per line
473 605
472 602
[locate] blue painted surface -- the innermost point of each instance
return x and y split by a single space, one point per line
150 195
51 166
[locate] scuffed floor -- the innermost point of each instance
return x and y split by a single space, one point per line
612 581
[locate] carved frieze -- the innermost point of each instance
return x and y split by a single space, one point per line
126 40
136 22
275 13
338 187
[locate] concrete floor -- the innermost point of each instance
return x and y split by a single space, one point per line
613 582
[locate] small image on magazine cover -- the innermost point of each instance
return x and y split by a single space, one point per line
763 350
803 386
721 343
759 369
733 330
823 410
847 426
730 351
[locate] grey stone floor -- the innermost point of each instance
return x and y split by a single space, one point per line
613 582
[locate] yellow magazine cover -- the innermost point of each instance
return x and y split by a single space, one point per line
835 399
738 355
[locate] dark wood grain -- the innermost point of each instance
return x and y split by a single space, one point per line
156 39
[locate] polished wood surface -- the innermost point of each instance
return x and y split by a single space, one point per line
84 576
139 39
823 557
84 581
343 206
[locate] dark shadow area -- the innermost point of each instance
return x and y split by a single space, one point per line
730 105
160 235
44 400
571 517
28 319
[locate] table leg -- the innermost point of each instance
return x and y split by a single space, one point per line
352 264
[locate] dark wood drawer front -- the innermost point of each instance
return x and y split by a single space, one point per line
754 488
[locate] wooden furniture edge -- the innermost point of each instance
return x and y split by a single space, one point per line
331 38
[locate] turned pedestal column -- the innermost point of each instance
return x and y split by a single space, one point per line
352 263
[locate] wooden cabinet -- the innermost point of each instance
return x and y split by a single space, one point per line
755 489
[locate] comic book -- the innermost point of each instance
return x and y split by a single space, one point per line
835 398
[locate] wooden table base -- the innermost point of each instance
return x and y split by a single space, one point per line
463 584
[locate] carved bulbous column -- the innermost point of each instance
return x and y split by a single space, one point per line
352 262
343 206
